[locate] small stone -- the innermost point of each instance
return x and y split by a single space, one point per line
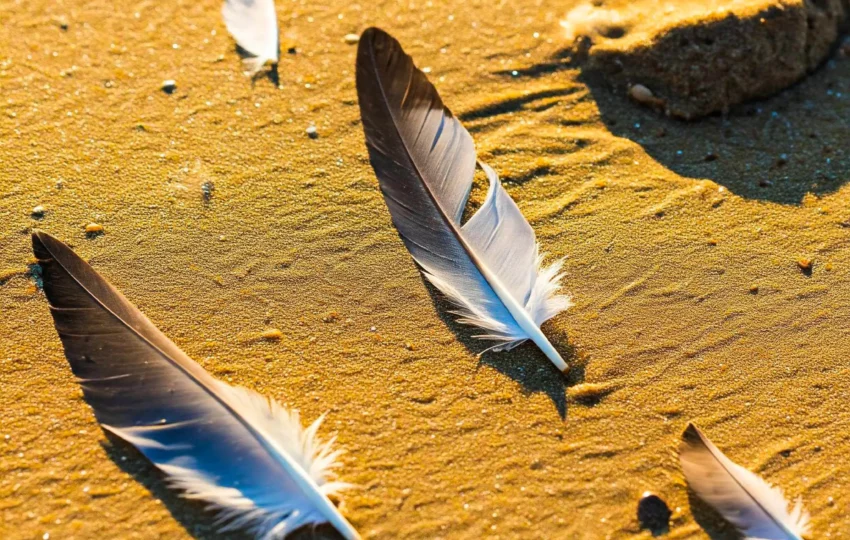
409 346
207 189
640 93
331 317
94 229
351 39
653 513
754 289
765 183
644 96
711 156
312 132
272 334
169 86
292 50
38 212
805 264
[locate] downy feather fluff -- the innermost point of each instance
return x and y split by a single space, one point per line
489 267
247 457
253 24
754 507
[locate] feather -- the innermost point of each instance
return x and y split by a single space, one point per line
756 509
247 457
253 24
490 267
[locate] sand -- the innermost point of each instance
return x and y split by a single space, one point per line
682 244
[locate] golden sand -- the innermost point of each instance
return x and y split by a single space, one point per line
683 244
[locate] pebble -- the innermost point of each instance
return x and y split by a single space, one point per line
38 211
272 334
653 513
805 264
754 289
169 86
94 229
207 189
351 39
644 95
312 132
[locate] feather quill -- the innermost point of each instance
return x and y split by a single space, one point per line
247 457
754 507
489 267
253 24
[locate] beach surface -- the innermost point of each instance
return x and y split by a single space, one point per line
709 263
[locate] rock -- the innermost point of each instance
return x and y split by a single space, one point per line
653 513
705 57
38 212
94 229
312 132
351 39
169 86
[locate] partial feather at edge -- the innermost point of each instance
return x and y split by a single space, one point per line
757 509
235 510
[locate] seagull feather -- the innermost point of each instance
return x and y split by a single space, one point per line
754 507
490 267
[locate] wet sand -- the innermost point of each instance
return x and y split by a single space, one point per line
683 246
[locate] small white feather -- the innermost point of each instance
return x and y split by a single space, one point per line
253 24
754 507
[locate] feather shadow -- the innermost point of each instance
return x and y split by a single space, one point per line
526 364
272 73
711 522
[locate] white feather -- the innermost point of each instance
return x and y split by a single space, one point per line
253 24
754 507
424 158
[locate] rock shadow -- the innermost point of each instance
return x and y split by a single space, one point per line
778 149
